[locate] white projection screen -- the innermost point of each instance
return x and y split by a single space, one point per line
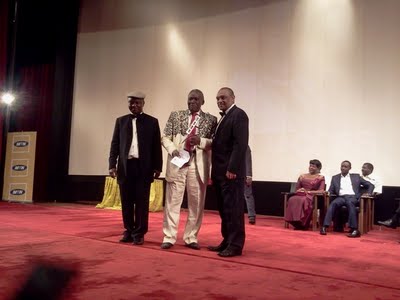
317 78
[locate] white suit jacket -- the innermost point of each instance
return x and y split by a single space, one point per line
173 139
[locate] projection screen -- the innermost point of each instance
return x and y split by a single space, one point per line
318 79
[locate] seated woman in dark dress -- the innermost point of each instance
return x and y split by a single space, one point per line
300 206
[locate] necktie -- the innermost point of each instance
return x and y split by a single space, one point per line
189 147
222 113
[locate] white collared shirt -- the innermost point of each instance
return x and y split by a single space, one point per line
376 181
220 120
229 108
346 188
134 150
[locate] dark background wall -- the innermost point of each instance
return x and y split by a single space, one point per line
45 42
46 34
268 195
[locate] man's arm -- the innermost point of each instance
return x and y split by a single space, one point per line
166 139
157 153
205 142
249 167
240 142
114 151
365 183
332 186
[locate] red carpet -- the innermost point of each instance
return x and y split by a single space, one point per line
277 263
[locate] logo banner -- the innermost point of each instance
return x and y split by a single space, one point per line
19 167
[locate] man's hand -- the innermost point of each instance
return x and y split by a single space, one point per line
230 175
156 173
175 153
113 172
249 180
194 140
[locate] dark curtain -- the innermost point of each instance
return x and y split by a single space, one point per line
3 58
33 112
45 39
3 41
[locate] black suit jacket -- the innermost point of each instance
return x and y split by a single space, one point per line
149 144
230 144
359 185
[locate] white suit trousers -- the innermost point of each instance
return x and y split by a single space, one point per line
196 191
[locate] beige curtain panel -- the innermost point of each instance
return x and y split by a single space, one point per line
112 199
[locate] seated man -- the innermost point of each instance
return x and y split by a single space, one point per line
347 187
366 170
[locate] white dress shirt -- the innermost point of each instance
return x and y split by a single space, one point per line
134 150
346 188
220 120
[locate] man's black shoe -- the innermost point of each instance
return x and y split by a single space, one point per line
323 230
126 238
218 248
354 234
166 245
193 245
138 241
388 223
229 252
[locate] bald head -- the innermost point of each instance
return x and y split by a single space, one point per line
229 90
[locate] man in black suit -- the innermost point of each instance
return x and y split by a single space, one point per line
136 146
348 189
229 172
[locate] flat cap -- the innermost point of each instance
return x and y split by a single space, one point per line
136 94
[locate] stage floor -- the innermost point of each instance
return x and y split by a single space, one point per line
277 263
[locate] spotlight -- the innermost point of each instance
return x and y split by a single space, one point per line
7 98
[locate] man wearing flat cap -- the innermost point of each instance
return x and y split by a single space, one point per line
135 159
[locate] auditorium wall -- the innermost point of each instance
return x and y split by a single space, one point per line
318 79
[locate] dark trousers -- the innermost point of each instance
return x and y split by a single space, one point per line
396 216
230 203
339 219
350 201
248 196
398 211
135 192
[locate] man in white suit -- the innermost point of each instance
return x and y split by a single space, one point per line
188 130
